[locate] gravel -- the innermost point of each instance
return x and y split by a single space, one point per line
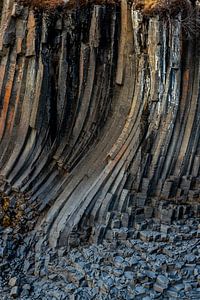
162 264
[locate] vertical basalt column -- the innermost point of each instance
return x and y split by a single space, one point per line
99 119
56 76
1 8
152 173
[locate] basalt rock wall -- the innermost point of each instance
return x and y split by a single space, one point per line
99 120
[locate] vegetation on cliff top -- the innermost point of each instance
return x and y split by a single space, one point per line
164 8
51 4
147 6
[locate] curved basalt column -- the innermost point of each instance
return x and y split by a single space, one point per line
99 120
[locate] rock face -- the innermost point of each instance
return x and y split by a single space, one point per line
99 123
99 145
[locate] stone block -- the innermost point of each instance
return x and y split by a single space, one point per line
116 223
139 218
171 292
122 233
158 288
148 212
163 281
13 281
165 228
14 292
146 236
109 234
125 219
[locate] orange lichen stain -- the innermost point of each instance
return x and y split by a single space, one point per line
30 41
8 91
10 119
185 89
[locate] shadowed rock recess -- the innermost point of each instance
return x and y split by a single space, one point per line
99 150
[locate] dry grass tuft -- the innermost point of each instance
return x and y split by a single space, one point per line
148 7
52 4
164 8
170 7
47 4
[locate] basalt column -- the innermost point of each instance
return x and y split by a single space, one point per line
99 118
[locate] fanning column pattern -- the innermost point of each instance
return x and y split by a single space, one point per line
99 120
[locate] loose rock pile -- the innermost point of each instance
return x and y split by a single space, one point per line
155 261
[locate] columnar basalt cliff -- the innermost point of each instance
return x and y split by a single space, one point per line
99 144
99 118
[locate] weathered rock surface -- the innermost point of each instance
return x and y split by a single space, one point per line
99 121
99 143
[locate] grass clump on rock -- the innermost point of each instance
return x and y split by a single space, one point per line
52 4
187 9
146 6
170 7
